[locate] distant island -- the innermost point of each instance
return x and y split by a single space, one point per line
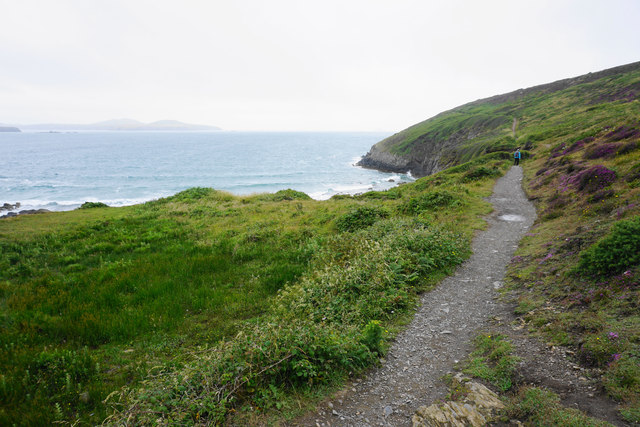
9 129
122 125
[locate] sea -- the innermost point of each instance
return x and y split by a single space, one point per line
61 170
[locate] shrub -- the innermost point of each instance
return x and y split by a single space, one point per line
480 172
372 336
628 147
360 218
93 205
623 132
191 194
287 194
602 151
431 200
601 195
616 252
541 171
593 179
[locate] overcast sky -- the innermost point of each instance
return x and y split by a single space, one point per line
294 64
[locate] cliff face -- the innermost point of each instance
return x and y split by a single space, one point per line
498 123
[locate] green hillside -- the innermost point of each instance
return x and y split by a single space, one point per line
563 108
576 276
195 307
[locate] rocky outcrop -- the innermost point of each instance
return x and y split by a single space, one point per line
9 206
476 407
427 157
25 212
9 129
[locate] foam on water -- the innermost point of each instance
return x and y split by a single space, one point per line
60 171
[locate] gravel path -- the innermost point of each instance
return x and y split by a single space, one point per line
440 334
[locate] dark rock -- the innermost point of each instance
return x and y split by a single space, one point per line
9 206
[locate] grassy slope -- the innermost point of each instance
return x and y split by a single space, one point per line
97 302
582 168
486 125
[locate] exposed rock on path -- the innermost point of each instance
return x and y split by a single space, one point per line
441 331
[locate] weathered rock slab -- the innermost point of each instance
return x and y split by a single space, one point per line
476 408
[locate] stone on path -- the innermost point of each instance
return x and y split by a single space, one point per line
476 408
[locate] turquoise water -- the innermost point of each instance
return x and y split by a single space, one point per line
60 171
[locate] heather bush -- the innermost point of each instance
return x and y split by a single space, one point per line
602 151
618 251
628 147
623 132
541 171
593 179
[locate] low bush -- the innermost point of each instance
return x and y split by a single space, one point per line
623 132
593 179
191 194
602 151
287 194
92 205
361 217
430 200
628 148
616 252
480 172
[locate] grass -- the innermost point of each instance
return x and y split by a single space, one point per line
580 256
205 305
493 361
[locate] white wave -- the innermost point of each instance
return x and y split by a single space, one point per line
67 205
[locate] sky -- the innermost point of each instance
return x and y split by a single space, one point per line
294 65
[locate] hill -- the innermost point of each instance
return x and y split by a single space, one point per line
122 125
487 125
9 129
575 278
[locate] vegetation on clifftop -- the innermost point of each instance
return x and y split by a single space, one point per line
204 305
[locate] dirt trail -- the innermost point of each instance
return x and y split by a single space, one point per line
440 333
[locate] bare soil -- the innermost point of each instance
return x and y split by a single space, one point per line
462 306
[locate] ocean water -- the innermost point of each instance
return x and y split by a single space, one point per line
60 171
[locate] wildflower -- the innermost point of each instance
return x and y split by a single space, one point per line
613 335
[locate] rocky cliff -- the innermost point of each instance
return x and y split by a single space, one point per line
492 124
